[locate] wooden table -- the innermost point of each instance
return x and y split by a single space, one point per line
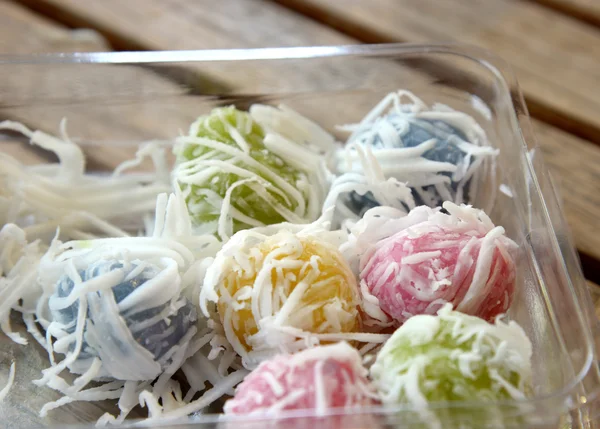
553 46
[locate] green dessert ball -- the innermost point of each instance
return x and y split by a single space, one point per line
234 175
453 357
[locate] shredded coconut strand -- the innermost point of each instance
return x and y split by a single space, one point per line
62 194
9 383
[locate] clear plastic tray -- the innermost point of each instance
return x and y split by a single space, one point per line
115 100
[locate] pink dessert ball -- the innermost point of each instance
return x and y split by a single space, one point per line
459 258
316 379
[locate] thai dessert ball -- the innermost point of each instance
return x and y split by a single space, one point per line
411 133
459 258
440 153
282 283
317 379
225 158
452 356
141 332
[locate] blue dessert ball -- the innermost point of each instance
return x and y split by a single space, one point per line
358 203
157 336
351 195
413 132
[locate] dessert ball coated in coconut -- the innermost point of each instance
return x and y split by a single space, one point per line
281 293
130 313
459 258
441 153
318 379
452 356
117 310
235 174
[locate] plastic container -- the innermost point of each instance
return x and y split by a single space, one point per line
115 100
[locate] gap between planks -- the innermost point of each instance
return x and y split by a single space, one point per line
587 11
72 20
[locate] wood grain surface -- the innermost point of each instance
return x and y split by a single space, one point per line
556 58
584 10
24 33
110 124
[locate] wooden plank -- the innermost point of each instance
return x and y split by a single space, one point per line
23 33
36 95
557 58
184 24
19 150
595 295
591 6
576 165
583 10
